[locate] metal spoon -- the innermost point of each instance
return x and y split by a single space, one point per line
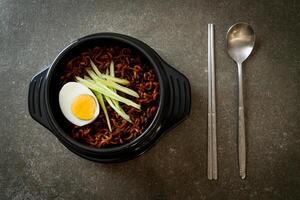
240 43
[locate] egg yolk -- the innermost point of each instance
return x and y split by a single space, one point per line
84 107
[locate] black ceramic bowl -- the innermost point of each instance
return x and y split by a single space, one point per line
174 104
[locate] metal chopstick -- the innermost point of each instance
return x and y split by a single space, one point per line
209 134
213 107
212 136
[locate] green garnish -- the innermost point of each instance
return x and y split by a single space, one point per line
108 77
98 87
122 114
111 84
102 104
112 69
105 86
112 74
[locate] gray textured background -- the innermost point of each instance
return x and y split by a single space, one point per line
34 165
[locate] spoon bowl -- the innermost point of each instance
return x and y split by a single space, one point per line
240 41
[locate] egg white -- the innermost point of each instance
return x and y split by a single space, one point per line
67 95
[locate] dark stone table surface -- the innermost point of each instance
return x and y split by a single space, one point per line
35 165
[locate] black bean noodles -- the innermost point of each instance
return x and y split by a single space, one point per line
142 78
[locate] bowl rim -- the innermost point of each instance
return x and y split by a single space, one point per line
140 47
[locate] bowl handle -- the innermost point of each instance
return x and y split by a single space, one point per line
36 99
180 97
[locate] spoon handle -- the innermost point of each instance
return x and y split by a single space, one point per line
241 136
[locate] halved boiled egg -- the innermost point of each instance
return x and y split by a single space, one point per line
78 103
